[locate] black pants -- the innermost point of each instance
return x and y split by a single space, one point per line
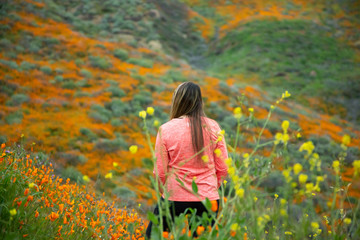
177 208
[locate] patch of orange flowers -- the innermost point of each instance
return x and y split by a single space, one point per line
73 209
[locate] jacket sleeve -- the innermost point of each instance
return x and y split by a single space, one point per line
162 158
220 157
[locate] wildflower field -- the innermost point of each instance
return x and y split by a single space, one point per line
84 88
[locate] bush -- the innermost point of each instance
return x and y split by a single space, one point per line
115 91
26 66
82 94
88 133
70 84
10 64
14 118
99 62
141 62
73 174
124 193
116 122
17 99
85 73
118 108
99 113
46 69
143 98
121 54
109 146
59 78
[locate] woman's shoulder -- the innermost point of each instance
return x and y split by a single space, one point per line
212 123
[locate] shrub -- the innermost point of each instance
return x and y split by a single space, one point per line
143 98
121 54
70 84
82 94
116 122
59 78
17 99
10 64
124 193
141 62
109 146
118 108
14 118
115 91
73 174
46 69
88 133
85 73
79 62
99 62
99 113
26 66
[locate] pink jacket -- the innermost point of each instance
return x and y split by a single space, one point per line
174 151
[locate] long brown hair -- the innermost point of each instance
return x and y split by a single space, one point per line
187 101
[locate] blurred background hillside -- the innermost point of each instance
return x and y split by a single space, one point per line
75 74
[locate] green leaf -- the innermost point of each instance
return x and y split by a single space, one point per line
151 216
194 187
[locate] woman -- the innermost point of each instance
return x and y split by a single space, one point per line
188 148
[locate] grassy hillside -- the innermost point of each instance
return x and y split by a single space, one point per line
74 76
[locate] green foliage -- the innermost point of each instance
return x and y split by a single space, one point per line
121 54
99 62
10 64
142 99
26 66
17 99
110 145
118 108
99 113
59 78
46 69
90 135
73 174
124 193
14 117
85 73
141 62
69 84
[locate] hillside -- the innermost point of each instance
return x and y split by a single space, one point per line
73 77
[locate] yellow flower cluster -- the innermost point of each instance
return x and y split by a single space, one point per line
336 166
356 165
246 160
315 161
237 113
307 146
282 137
237 181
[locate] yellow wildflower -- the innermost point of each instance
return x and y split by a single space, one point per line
31 185
297 168
276 196
86 178
205 158
222 132
288 233
109 175
115 164
237 113
225 182
298 135
156 123
234 226
307 146
150 110
13 212
286 94
285 125
286 174
272 107
240 192
346 139
217 152
302 178
336 166
251 110
315 226
347 221
142 114
356 165
255 199
133 149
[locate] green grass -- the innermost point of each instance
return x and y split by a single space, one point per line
297 55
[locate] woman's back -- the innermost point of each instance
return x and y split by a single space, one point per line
176 161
